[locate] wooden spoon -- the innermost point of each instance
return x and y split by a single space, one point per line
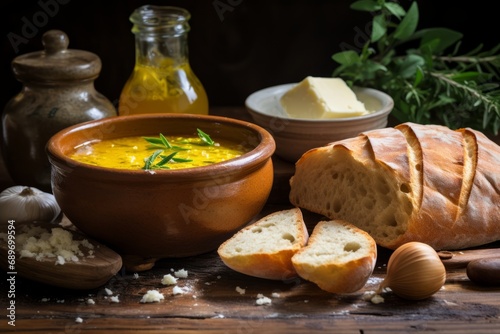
460 259
88 273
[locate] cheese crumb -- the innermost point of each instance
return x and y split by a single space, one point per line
241 291
177 290
263 300
136 275
114 299
168 280
275 295
90 301
60 260
36 242
181 273
108 292
373 297
152 296
78 320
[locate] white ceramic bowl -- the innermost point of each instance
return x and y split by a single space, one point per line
296 136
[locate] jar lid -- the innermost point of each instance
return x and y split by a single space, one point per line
56 62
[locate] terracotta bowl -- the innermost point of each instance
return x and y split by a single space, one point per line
296 136
146 215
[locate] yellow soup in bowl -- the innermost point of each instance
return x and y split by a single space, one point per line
162 152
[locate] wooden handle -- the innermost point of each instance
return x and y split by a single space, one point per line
460 259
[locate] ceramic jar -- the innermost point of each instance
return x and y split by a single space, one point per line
58 91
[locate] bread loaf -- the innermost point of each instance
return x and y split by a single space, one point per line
412 182
338 257
265 248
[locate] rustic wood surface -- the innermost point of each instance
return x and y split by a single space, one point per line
211 303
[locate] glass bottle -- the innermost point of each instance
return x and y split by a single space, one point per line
162 80
58 91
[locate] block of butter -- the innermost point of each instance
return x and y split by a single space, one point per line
322 98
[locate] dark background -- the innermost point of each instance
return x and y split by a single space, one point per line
243 47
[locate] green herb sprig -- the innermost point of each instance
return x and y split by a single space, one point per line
423 71
158 160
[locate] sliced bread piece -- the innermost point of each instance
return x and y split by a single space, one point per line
264 249
339 257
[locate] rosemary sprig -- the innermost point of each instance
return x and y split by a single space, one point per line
205 138
163 144
423 71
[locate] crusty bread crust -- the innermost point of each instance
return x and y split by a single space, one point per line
413 182
339 257
265 248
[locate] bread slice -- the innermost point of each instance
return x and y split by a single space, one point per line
339 257
264 249
413 182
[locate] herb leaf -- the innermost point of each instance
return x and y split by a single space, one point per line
165 159
205 138
408 24
150 160
154 141
162 141
423 70
165 141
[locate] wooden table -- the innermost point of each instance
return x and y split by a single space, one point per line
211 303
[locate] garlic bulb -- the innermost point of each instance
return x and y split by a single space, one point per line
27 204
414 271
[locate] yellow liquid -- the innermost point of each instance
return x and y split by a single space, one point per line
165 89
132 152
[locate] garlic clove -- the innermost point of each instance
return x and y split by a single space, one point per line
414 272
27 204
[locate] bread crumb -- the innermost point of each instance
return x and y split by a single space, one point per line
263 300
181 273
168 280
114 299
90 301
108 292
152 296
240 290
78 320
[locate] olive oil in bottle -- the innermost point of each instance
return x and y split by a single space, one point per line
162 80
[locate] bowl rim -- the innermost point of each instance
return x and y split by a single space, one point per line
252 159
250 104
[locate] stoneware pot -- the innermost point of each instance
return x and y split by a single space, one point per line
148 215
58 91
296 136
